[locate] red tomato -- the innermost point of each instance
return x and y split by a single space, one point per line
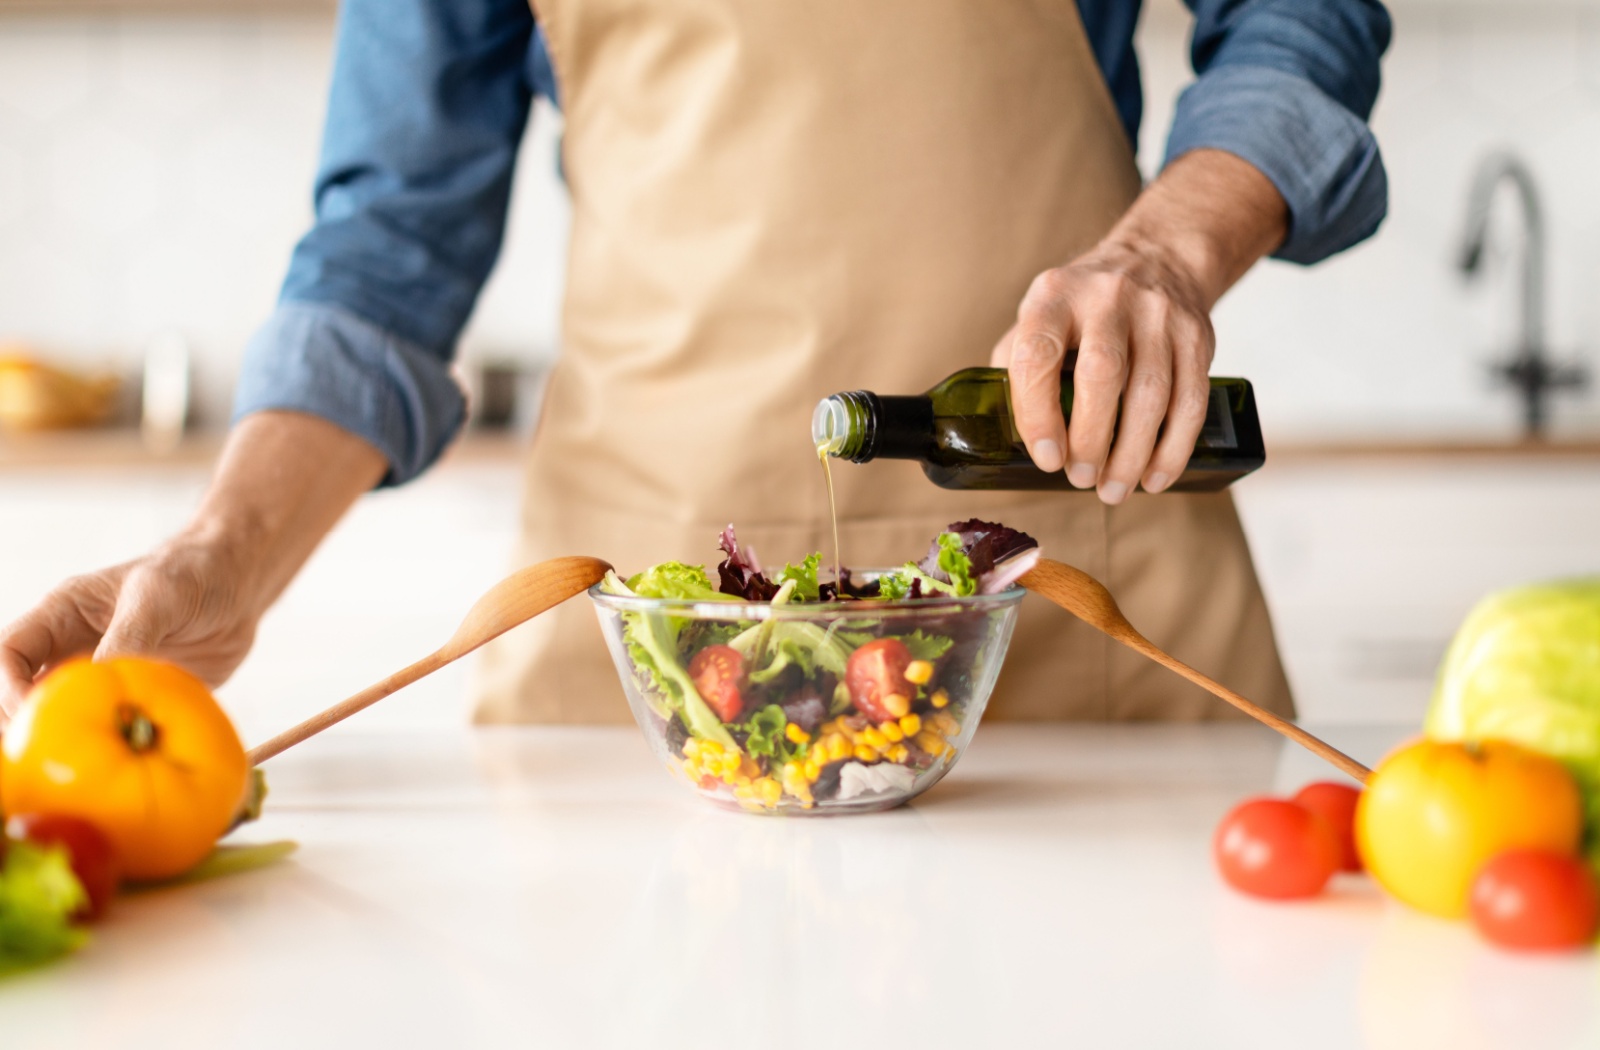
1531 898
717 671
1270 847
1336 803
89 852
876 678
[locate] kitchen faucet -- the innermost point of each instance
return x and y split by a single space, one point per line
1529 370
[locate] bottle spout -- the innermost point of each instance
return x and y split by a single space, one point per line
830 425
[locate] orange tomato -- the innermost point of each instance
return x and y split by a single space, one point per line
136 747
1435 812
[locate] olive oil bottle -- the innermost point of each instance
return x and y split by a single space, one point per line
962 433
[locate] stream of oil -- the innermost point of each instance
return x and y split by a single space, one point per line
833 513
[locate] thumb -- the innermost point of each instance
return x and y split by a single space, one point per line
1000 356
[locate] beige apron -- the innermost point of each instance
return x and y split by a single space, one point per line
774 201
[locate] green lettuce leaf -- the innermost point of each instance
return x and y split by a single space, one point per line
766 731
804 576
795 640
952 561
787 652
38 895
955 563
674 579
652 642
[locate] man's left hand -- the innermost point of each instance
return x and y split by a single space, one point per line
1137 309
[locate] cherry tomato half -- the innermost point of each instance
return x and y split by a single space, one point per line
876 677
1535 899
1336 803
717 671
1270 847
89 852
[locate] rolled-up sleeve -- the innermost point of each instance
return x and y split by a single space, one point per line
427 108
1288 85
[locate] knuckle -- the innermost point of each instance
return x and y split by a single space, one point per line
1032 351
1050 286
1192 401
1100 362
1150 385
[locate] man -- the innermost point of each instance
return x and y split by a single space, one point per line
773 201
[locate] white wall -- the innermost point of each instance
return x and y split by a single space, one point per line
155 170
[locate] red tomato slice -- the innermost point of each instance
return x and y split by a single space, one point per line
1537 900
876 677
1336 803
717 671
1270 847
89 852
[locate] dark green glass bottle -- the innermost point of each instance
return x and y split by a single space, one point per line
962 434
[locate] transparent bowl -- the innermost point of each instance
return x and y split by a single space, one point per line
800 743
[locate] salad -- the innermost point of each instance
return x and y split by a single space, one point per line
851 690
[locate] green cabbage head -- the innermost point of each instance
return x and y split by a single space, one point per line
1525 667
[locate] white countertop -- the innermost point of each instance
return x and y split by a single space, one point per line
553 887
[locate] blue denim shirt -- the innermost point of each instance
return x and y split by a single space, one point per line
430 99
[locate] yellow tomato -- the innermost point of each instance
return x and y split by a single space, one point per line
136 747
1434 812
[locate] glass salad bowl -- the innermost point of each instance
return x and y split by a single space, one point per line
808 707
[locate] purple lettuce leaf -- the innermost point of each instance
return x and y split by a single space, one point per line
740 572
999 554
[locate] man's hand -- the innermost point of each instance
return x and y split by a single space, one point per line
183 602
1137 308
284 480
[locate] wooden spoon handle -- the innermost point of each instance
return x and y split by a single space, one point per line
347 707
514 600
1139 643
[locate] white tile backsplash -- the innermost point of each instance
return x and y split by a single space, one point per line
155 171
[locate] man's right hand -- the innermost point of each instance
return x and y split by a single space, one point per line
184 602
284 479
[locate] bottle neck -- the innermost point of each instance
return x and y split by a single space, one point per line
859 426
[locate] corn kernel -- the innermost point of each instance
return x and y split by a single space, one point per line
918 672
691 748
931 742
897 705
865 754
796 735
911 724
940 699
891 732
839 750
945 724
812 770
874 739
770 790
898 753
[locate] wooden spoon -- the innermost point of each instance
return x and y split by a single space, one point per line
1086 598
514 600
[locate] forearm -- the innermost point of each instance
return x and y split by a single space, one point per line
1209 217
283 481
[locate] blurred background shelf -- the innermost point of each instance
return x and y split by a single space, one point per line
158 7
94 450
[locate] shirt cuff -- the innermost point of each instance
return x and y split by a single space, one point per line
325 361
1321 157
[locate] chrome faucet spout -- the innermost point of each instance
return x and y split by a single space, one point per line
1529 371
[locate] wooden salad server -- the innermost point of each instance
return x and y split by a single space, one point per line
1086 598
514 600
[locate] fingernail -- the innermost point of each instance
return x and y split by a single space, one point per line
1113 492
1047 455
1082 475
1157 482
